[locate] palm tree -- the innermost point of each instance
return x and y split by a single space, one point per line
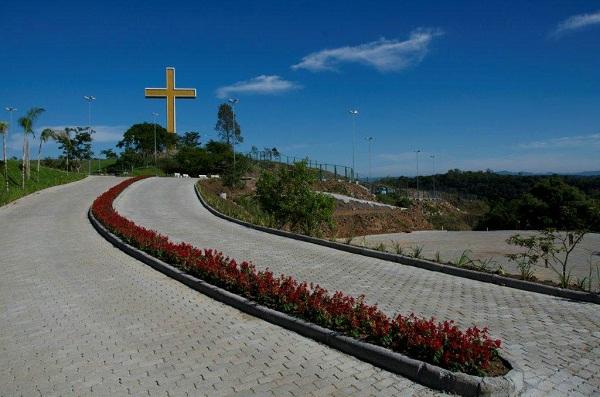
26 122
64 137
4 132
46 135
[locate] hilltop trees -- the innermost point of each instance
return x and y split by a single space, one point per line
138 142
228 128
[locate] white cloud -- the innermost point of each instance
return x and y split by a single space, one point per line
384 55
104 133
577 22
262 84
564 142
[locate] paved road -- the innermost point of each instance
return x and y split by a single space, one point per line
486 245
556 341
79 317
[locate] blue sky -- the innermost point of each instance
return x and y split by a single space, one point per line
495 84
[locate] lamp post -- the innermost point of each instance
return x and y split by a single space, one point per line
89 99
155 115
418 194
353 114
233 102
433 175
10 111
369 139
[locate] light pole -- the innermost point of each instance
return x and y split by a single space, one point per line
10 111
155 115
433 175
89 99
353 114
233 102
417 152
369 139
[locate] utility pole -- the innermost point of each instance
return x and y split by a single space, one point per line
154 114
369 139
418 194
433 175
89 99
353 114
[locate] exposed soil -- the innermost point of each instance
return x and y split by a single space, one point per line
352 218
345 188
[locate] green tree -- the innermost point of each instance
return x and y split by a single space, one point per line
228 128
26 122
140 138
4 132
76 145
108 154
45 136
189 139
287 195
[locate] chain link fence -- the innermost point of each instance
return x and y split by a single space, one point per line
326 170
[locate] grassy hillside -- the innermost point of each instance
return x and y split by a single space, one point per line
48 177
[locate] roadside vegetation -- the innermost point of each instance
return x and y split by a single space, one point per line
47 177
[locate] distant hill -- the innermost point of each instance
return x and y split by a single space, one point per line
523 173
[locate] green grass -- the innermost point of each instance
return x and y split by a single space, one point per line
244 209
48 177
148 171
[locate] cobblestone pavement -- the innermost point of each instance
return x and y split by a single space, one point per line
79 317
486 245
555 341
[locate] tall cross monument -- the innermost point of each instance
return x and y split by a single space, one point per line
171 93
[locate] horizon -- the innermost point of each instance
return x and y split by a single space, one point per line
503 86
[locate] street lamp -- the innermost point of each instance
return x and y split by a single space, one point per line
10 111
369 139
433 175
155 115
89 99
233 102
354 115
418 194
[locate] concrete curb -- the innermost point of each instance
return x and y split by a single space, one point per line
420 263
426 374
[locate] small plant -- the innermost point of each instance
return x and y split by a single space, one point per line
580 283
437 258
417 251
484 265
551 246
380 247
397 247
348 240
464 259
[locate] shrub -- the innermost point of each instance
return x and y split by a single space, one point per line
439 343
287 195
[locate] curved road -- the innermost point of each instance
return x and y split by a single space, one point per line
79 317
556 341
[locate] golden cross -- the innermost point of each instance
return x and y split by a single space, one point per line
170 93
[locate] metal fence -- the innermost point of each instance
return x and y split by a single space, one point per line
326 170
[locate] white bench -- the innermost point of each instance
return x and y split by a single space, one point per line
177 175
185 176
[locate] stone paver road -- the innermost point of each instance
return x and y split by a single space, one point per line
555 341
79 317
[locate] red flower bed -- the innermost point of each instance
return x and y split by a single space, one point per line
439 343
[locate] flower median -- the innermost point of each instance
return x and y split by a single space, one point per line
471 351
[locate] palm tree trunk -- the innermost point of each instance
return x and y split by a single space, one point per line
5 161
38 165
28 159
23 164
